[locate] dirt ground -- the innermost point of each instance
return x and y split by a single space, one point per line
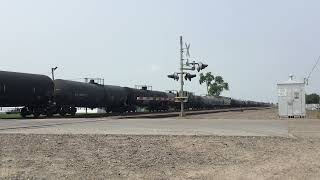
157 157
313 114
93 156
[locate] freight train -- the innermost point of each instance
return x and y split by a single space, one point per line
40 95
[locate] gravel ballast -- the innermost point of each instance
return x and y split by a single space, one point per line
157 157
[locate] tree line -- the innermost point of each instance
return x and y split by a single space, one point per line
312 98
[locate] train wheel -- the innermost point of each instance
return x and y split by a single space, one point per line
23 115
62 113
73 111
121 110
49 115
36 114
24 112
133 109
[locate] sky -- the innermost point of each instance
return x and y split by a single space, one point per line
252 44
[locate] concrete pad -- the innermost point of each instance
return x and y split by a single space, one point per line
304 127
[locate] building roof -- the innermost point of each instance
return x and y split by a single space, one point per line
291 81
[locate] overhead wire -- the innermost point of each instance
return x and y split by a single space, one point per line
313 68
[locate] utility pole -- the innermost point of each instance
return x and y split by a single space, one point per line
52 72
181 78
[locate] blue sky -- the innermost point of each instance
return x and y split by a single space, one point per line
252 44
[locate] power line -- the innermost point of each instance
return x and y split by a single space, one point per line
313 68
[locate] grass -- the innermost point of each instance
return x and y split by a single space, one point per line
9 116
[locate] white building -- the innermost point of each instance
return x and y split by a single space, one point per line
291 98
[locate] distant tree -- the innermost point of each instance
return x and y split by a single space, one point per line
215 84
207 78
312 98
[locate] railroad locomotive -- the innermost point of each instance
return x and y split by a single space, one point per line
39 95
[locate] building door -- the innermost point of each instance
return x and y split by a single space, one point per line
282 101
290 102
290 107
297 102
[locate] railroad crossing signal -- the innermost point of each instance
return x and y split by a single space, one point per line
174 76
189 76
201 66
184 51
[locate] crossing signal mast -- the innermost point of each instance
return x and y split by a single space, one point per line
185 65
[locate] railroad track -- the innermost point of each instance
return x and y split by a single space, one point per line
198 112
161 114
14 124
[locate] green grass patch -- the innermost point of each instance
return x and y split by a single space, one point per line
9 116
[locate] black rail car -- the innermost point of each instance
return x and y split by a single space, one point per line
71 94
207 102
32 91
132 99
151 100
115 99
238 103
38 94
159 101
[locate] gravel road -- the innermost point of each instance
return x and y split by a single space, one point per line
157 157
